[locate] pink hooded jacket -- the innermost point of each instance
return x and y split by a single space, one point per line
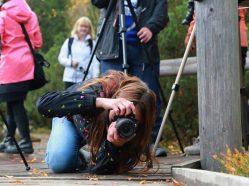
16 62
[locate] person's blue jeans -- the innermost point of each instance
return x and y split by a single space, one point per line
62 153
141 69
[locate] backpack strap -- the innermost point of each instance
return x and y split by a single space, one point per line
70 42
90 44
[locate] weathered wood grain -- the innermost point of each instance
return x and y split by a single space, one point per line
170 67
13 172
218 78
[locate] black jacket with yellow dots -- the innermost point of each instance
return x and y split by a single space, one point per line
80 108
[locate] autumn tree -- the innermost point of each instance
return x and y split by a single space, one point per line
79 8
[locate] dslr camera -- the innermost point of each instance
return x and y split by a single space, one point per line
126 126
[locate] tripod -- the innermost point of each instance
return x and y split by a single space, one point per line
175 86
125 65
15 142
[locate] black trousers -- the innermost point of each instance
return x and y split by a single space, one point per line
243 56
17 118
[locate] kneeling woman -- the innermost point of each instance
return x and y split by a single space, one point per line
86 114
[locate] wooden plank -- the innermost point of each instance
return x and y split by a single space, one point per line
85 183
38 169
218 78
170 67
12 169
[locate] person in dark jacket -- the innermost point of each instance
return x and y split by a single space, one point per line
88 114
152 17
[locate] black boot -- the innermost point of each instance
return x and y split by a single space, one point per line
7 141
25 145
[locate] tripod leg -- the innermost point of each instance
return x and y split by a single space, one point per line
15 142
175 87
122 33
100 34
176 132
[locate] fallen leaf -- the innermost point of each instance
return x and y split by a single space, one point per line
130 178
34 160
9 177
16 182
92 178
39 173
142 182
168 180
176 183
144 175
171 147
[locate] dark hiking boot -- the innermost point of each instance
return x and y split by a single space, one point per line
24 144
159 152
7 141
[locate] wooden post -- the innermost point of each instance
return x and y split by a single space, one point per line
218 78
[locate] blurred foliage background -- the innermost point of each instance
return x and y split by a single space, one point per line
56 20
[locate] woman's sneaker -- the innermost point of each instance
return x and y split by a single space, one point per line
24 144
193 149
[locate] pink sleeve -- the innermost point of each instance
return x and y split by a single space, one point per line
37 35
38 38
1 23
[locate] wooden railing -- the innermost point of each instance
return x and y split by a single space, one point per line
170 67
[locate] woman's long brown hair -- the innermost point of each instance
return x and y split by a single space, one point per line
119 85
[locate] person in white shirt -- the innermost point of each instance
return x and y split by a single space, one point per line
76 51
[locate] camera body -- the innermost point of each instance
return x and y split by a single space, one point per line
126 126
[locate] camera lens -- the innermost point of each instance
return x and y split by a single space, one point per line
126 127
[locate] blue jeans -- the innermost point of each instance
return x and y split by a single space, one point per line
62 153
141 69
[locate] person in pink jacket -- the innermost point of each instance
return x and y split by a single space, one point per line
17 68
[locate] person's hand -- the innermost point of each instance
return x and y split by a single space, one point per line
113 137
75 64
193 46
144 35
117 107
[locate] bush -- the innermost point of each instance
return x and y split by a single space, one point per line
234 162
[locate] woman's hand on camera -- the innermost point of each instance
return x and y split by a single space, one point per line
113 137
117 107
